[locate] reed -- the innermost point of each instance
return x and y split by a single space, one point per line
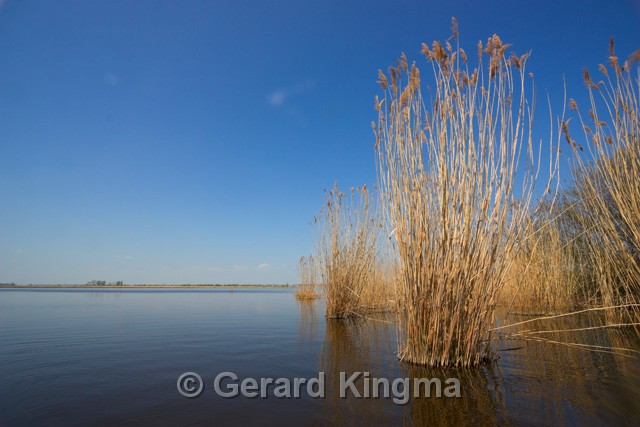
308 270
347 239
379 293
606 171
552 271
457 175
306 293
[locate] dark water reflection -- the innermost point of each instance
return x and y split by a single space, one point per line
563 385
352 346
357 346
113 358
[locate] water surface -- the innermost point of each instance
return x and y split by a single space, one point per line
112 357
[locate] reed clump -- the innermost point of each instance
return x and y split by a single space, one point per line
606 171
552 271
308 269
379 293
347 241
457 173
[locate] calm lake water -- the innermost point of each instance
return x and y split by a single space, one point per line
113 357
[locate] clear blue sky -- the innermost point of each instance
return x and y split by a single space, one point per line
190 141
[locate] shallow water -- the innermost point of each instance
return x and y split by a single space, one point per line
112 357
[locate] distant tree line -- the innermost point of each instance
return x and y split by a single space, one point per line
105 283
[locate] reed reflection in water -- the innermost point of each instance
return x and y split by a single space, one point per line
530 382
309 320
357 345
563 384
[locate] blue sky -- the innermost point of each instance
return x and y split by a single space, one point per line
190 141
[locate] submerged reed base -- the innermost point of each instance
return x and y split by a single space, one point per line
306 292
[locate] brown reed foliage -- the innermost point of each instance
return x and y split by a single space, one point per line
308 269
447 172
306 293
606 172
379 293
347 238
552 270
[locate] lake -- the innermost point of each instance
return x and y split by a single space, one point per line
113 357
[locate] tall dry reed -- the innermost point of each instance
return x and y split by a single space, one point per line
379 293
347 238
606 176
308 269
552 270
457 173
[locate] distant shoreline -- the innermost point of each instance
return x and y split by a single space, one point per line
186 286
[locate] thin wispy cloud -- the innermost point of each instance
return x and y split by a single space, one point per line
209 268
278 97
264 266
110 78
